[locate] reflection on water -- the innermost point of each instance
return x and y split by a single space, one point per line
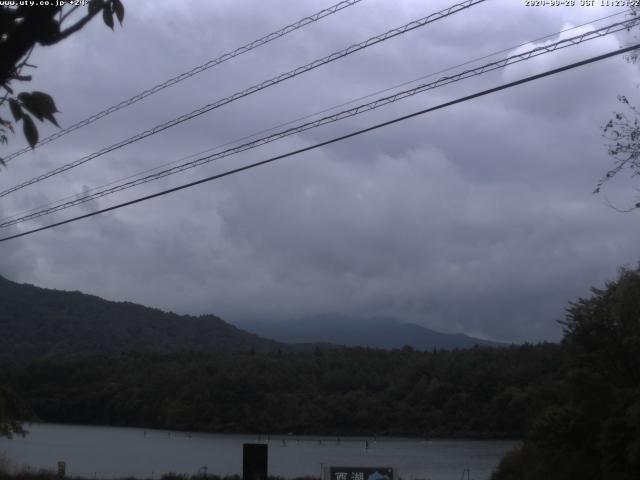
108 452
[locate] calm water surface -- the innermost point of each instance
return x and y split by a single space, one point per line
108 452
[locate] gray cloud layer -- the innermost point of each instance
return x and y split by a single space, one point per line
478 218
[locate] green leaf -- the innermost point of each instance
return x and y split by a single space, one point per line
30 130
46 100
39 104
95 6
47 105
107 16
16 109
52 119
31 105
118 8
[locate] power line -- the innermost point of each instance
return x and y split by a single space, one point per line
542 50
333 140
256 88
194 71
290 122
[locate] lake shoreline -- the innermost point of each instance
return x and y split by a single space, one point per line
279 435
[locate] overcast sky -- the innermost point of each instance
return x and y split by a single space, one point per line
479 218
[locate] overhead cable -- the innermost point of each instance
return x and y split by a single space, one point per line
256 88
473 72
305 117
188 74
333 140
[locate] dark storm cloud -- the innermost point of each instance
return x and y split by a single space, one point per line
478 218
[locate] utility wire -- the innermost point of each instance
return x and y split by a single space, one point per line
334 140
194 71
305 117
542 50
256 88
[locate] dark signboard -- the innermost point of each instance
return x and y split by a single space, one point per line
254 461
361 473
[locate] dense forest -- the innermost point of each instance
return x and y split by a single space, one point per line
479 392
592 431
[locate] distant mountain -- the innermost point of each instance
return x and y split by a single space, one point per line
376 332
37 322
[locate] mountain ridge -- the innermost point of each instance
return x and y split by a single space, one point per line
374 332
44 323
38 322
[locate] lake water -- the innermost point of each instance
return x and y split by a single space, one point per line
111 452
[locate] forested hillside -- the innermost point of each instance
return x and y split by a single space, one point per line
38 322
479 392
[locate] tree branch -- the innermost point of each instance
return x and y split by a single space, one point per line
64 17
23 38
77 26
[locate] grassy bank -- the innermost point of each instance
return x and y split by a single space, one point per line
50 475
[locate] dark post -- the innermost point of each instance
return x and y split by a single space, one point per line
62 469
254 461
